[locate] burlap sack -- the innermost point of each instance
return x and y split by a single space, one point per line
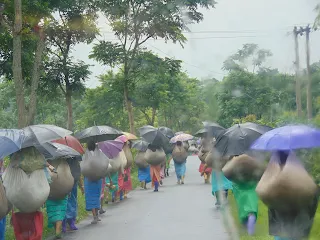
179 154
140 160
129 157
288 187
94 164
5 205
114 165
26 192
202 154
155 157
123 161
62 181
243 169
185 145
28 159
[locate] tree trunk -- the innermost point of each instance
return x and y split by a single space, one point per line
69 110
36 77
153 118
16 65
129 109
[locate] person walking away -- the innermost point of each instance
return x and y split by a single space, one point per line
112 185
127 185
56 212
220 185
206 172
180 168
103 187
296 224
144 176
155 176
92 191
246 197
72 205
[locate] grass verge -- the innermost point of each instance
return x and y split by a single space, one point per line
262 227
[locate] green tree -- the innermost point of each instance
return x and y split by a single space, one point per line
134 22
76 24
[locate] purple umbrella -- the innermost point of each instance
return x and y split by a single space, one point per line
288 138
111 148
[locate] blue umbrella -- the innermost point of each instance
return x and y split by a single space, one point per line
288 138
10 141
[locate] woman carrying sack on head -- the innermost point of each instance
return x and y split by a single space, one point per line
92 191
180 155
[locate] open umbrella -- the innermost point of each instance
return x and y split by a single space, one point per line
140 145
201 132
111 148
181 138
71 142
238 138
122 138
213 128
52 150
42 133
288 138
10 141
130 136
98 134
167 132
153 135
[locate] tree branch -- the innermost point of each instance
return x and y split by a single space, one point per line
4 23
143 41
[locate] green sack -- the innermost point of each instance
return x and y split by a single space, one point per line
28 159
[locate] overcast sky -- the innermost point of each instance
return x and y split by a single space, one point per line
224 30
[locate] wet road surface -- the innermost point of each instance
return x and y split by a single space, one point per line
177 212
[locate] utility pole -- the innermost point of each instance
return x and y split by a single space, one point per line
296 32
309 80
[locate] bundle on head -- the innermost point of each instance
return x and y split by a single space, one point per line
214 160
127 152
286 185
94 164
243 168
62 181
114 164
179 153
5 205
155 155
140 160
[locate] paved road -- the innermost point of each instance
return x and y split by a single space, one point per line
176 212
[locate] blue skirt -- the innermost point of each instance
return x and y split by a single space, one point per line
144 174
92 194
224 183
180 169
72 207
2 228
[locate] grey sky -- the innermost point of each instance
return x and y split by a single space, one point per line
224 29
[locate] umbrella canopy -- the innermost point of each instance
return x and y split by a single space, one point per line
71 142
167 132
111 148
122 138
288 138
181 138
214 128
140 145
201 132
52 150
153 135
42 133
98 134
238 138
130 136
10 141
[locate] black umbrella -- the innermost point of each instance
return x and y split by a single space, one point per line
201 132
238 138
42 133
214 129
153 136
52 150
140 145
98 134
167 132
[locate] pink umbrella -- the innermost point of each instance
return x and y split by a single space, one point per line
122 138
181 138
111 148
